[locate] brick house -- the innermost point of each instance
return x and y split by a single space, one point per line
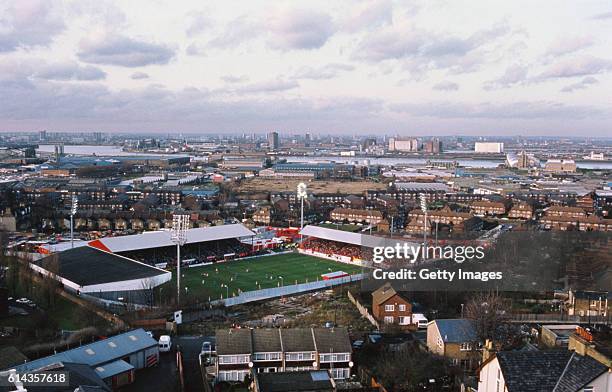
486 207
389 307
521 211
454 339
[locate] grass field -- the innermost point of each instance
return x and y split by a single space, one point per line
256 273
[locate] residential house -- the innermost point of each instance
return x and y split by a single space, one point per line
543 371
455 339
371 217
521 211
302 381
389 307
486 207
589 303
282 350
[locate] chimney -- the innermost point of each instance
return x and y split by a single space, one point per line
487 350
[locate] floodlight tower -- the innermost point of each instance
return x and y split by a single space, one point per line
180 224
73 210
302 194
423 199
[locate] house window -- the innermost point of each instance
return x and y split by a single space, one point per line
465 347
404 320
589 389
402 308
440 342
389 308
388 319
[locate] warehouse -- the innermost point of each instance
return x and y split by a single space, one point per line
114 360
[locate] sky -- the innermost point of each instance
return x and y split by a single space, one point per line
331 67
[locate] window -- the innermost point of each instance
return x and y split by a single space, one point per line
343 357
230 359
440 342
465 347
266 357
589 389
389 308
404 320
340 373
306 356
388 319
402 308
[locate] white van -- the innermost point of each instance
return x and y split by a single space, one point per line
165 344
420 320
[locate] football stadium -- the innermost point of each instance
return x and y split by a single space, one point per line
217 262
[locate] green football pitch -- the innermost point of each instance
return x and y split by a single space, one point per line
209 281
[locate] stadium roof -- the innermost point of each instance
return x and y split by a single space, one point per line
160 239
365 240
86 266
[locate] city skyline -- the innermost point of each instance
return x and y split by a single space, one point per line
419 68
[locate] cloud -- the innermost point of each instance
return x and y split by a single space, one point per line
28 23
602 16
370 15
446 86
421 50
139 75
568 45
584 83
69 71
300 29
526 110
236 32
328 71
124 51
515 74
268 86
198 23
235 79
196 49
577 66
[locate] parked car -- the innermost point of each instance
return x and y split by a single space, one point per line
420 320
165 343
23 301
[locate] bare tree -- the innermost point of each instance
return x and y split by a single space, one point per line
490 314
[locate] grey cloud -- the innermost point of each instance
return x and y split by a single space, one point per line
139 75
69 71
421 50
578 66
235 79
236 32
370 15
515 74
124 51
328 71
584 83
268 86
446 86
29 23
568 45
196 49
602 16
517 110
198 23
300 29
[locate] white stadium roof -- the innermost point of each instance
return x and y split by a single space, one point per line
365 240
159 239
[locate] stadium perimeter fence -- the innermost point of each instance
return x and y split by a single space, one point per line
276 292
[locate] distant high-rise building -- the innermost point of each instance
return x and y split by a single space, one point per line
489 147
42 136
273 141
307 139
434 146
404 145
97 137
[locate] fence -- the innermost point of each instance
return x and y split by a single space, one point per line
557 318
363 310
275 292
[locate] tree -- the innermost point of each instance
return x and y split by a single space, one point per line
491 315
